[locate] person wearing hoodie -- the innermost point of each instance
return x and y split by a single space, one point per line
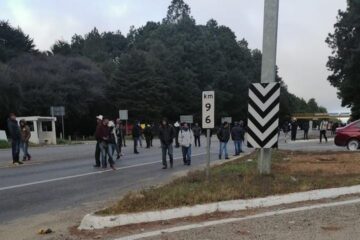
25 137
224 137
15 135
166 135
186 137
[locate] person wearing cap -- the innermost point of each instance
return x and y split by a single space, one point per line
15 136
166 135
224 137
25 137
99 120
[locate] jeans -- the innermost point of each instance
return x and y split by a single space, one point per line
104 152
97 154
111 149
15 147
25 146
238 149
197 141
223 148
167 148
186 152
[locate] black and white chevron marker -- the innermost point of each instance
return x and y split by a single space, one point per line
263 116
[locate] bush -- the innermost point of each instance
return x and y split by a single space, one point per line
4 144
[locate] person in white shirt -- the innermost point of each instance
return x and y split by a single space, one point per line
323 128
186 137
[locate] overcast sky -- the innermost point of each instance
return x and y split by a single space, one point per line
303 26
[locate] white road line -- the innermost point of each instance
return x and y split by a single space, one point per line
84 174
231 220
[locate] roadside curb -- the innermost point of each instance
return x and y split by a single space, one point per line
92 221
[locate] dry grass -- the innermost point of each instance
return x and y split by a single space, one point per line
291 172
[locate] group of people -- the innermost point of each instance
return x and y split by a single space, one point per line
293 126
110 138
20 135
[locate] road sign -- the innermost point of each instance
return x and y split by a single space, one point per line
187 119
57 111
263 116
123 114
226 119
208 107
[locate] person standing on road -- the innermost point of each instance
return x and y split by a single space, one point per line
112 142
153 133
119 137
306 130
237 135
285 129
15 136
25 137
294 127
197 133
224 137
136 134
148 135
103 134
124 133
186 137
166 135
99 120
323 128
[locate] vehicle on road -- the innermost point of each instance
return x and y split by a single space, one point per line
349 136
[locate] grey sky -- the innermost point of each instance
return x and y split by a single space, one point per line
303 27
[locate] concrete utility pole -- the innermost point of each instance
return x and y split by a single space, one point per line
268 66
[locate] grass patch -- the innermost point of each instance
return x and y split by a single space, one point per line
239 179
4 144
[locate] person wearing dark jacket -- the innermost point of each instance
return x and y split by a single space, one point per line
223 136
306 127
15 135
294 127
25 137
197 133
97 147
237 135
119 137
136 133
177 130
148 135
166 135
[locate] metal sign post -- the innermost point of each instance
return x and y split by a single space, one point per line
268 66
208 122
59 112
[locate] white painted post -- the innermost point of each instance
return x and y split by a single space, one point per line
268 67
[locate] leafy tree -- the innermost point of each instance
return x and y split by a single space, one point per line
13 42
345 59
177 11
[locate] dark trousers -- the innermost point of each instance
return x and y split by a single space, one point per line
197 141
118 147
148 142
323 133
293 135
306 134
124 141
15 149
136 140
97 154
151 141
167 149
186 152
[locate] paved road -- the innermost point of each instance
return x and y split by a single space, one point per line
62 178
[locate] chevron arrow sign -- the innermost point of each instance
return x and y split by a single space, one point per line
263 115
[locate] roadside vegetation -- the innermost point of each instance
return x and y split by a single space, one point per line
4 144
291 172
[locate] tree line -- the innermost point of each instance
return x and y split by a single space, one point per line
157 70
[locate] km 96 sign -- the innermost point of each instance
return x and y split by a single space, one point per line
208 107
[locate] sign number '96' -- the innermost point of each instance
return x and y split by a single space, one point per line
208 103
